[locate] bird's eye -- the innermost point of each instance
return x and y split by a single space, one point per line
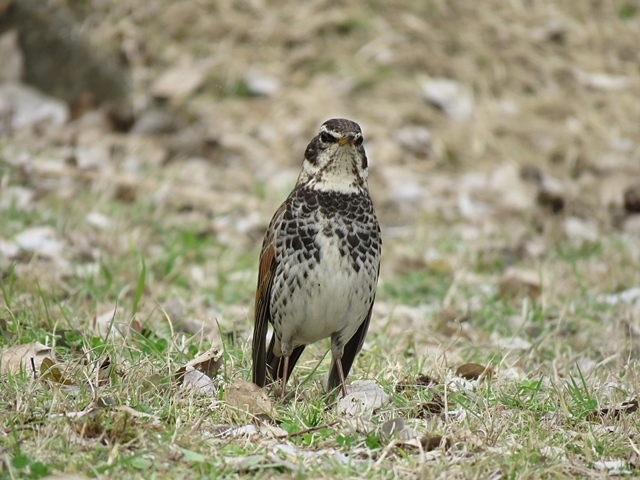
328 138
358 141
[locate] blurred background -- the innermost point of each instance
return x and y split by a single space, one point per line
528 89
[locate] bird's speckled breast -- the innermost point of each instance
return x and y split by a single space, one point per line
328 254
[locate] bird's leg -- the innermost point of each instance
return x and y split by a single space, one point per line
341 375
284 377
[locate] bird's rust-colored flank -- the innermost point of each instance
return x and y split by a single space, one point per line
320 261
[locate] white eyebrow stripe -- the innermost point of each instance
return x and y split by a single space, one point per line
338 134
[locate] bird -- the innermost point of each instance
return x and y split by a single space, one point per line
320 261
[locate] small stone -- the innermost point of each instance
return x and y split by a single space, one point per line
260 84
532 174
506 181
552 194
581 230
98 220
21 198
628 297
632 224
154 121
622 145
632 199
414 139
93 157
8 249
601 81
448 96
41 240
199 382
515 282
552 31
513 343
178 81
553 200
26 107
614 188
11 57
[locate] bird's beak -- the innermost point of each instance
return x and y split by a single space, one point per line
347 139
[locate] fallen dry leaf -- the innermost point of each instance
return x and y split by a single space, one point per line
431 442
392 428
199 381
247 397
198 373
515 282
50 371
23 357
363 396
105 371
112 323
435 406
208 363
628 407
612 189
420 381
427 443
395 429
474 371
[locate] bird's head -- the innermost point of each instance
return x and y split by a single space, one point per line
335 159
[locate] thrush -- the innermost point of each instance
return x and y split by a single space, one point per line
320 261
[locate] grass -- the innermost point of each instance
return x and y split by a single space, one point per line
124 415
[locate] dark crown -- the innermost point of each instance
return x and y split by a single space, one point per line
341 127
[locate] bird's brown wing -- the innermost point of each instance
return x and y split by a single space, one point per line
262 308
262 313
